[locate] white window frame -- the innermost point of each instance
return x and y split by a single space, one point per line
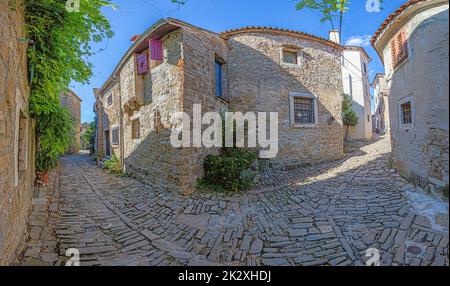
307 95
400 113
292 50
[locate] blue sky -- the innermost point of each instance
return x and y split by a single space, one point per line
135 16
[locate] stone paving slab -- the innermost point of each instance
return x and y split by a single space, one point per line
327 214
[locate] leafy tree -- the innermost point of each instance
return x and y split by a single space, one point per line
349 116
61 42
87 136
330 10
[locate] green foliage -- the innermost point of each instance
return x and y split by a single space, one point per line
61 43
87 137
229 171
113 165
55 134
328 9
349 116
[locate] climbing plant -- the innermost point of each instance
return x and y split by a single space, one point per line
60 45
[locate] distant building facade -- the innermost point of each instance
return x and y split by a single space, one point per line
355 70
381 124
73 103
175 65
413 45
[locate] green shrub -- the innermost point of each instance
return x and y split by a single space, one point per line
229 171
113 165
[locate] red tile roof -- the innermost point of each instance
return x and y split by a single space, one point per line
392 17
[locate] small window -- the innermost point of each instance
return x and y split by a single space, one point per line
368 118
135 129
303 108
290 57
406 113
115 136
218 77
365 68
110 99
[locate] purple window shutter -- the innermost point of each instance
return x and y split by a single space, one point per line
142 63
156 50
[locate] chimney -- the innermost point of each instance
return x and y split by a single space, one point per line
334 36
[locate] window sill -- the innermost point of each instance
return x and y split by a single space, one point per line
304 126
289 65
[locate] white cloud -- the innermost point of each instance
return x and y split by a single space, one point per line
363 40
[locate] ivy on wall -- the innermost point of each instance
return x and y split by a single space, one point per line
61 43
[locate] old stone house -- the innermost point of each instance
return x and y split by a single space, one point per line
413 44
16 133
381 124
174 65
72 102
355 79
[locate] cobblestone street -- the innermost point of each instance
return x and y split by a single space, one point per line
328 214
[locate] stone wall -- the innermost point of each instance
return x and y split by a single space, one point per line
111 113
421 150
16 134
260 81
200 49
151 158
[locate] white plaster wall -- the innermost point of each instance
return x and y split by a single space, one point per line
352 66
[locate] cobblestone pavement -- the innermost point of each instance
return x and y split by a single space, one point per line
328 214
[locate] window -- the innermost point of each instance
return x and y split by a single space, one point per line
365 68
290 57
135 129
303 109
350 85
399 48
115 135
406 113
218 77
110 99
368 118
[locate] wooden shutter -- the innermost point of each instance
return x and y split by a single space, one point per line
156 50
399 48
402 46
142 63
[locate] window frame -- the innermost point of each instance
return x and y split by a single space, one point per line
218 61
294 50
110 95
133 121
402 102
115 129
304 95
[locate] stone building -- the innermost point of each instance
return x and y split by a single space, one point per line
72 102
355 69
16 133
381 124
174 65
413 45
